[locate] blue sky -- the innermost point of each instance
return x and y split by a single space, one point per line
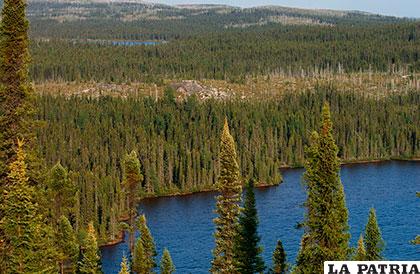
401 8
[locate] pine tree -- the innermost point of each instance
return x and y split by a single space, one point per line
27 240
68 247
373 239
132 181
279 259
145 251
247 249
326 223
124 267
166 264
361 251
227 206
90 261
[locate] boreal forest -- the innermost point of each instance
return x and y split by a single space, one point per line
104 104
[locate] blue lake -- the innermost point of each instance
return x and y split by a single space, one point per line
184 224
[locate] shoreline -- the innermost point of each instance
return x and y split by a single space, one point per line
120 237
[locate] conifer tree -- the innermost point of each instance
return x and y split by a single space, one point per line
166 264
132 181
62 191
326 223
247 249
145 251
68 247
16 94
27 240
279 259
227 206
125 269
373 239
90 261
360 251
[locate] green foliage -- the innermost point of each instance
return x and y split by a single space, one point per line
125 269
374 243
16 94
62 191
166 264
27 241
360 251
67 245
177 152
279 259
132 183
145 251
230 54
326 225
90 261
227 206
247 249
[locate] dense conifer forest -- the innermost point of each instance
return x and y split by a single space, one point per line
74 167
177 142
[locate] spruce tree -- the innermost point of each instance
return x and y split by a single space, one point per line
326 221
227 206
166 264
360 251
16 93
373 239
27 240
279 259
90 261
247 249
125 269
67 245
62 191
145 251
132 181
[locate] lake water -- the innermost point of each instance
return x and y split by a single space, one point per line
184 224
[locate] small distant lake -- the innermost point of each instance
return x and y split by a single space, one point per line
184 224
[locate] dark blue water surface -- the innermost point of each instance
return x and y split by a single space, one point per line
184 224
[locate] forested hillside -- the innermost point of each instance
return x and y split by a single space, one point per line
177 142
216 42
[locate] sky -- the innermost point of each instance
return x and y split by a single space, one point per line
400 8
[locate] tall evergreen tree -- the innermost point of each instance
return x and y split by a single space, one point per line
360 251
125 269
16 94
27 240
67 245
145 251
166 264
227 206
247 249
326 223
62 192
373 239
16 97
279 259
132 181
90 261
